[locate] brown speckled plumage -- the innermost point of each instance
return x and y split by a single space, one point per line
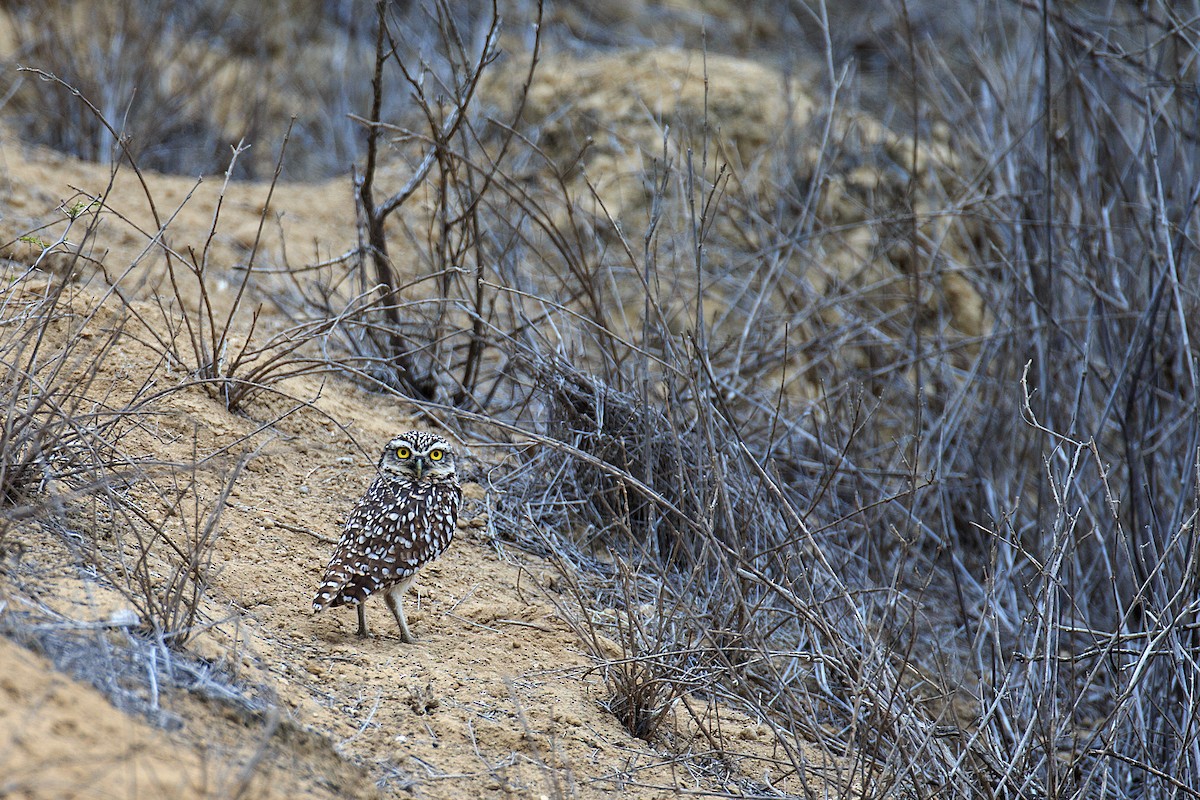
405 520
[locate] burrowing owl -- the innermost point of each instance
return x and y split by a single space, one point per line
405 520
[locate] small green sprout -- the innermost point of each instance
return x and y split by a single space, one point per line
78 208
29 238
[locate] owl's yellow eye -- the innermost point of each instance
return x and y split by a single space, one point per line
435 455
403 452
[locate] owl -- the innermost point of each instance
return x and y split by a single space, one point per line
405 520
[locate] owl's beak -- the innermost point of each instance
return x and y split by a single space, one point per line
419 466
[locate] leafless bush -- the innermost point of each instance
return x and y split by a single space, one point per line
67 415
983 594
222 348
439 353
62 449
161 557
55 427
187 80
657 658
235 370
1082 487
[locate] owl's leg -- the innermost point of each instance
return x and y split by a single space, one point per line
395 598
362 621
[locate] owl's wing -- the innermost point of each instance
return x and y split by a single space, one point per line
425 520
387 538
352 573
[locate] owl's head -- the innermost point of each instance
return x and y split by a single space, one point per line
417 456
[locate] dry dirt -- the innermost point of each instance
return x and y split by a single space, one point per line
499 697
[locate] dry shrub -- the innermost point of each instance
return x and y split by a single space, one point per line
53 425
185 81
82 490
219 344
957 588
669 435
65 457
